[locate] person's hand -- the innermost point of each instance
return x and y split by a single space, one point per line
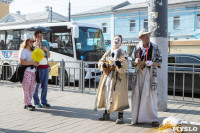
105 65
149 63
136 60
36 64
118 63
44 48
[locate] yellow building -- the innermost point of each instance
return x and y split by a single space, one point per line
4 7
188 46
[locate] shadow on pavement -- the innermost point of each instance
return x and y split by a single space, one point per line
16 131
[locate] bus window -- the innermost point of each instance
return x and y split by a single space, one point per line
62 43
23 35
2 40
13 40
89 39
90 44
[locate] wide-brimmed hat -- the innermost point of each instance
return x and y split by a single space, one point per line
143 32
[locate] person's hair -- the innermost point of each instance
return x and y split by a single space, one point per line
119 36
2 42
37 32
24 44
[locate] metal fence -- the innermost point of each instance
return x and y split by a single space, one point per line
184 82
84 77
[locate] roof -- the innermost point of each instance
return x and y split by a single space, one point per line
33 17
129 6
45 15
108 8
6 1
144 4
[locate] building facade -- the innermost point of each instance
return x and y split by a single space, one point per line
128 19
4 7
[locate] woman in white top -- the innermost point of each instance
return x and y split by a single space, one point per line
29 82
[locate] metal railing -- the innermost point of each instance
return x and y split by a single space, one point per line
183 79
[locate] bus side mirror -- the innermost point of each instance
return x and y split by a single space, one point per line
75 31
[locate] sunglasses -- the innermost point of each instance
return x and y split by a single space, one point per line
31 41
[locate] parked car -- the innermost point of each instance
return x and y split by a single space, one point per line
185 64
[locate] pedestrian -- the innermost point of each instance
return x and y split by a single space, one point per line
26 72
112 91
11 45
43 71
147 58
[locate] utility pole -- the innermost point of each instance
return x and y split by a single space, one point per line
69 11
158 25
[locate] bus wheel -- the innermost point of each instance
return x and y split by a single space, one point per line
6 72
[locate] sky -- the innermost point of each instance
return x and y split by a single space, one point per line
61 6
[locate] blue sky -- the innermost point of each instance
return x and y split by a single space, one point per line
61 6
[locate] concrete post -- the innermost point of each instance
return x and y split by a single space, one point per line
158 25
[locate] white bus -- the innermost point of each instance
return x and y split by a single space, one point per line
69 41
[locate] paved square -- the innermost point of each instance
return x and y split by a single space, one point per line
72 112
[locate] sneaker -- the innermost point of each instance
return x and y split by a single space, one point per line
46 105
38 105
29 107
105 117
119 121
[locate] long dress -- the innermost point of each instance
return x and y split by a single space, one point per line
144 92
144 99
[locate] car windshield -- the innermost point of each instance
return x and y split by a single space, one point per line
90 39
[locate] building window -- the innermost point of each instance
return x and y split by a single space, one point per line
176 22
104 25
198 21
132 25
145 24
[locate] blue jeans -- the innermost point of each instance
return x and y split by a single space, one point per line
44 77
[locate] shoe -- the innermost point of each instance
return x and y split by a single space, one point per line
155 124
105 117
38 105
119 121
46 105
29 107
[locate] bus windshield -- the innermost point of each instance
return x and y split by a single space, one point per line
90 39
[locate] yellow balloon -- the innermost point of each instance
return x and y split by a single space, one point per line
38 55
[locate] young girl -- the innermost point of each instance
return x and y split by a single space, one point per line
112 91
29 77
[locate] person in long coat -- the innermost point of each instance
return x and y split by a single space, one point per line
112 91
147 58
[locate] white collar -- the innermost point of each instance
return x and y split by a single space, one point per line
142 46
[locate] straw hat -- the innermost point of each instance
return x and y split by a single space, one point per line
143 32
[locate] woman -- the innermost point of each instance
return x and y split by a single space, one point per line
29 77
112 91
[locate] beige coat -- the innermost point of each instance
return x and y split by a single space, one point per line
118 96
